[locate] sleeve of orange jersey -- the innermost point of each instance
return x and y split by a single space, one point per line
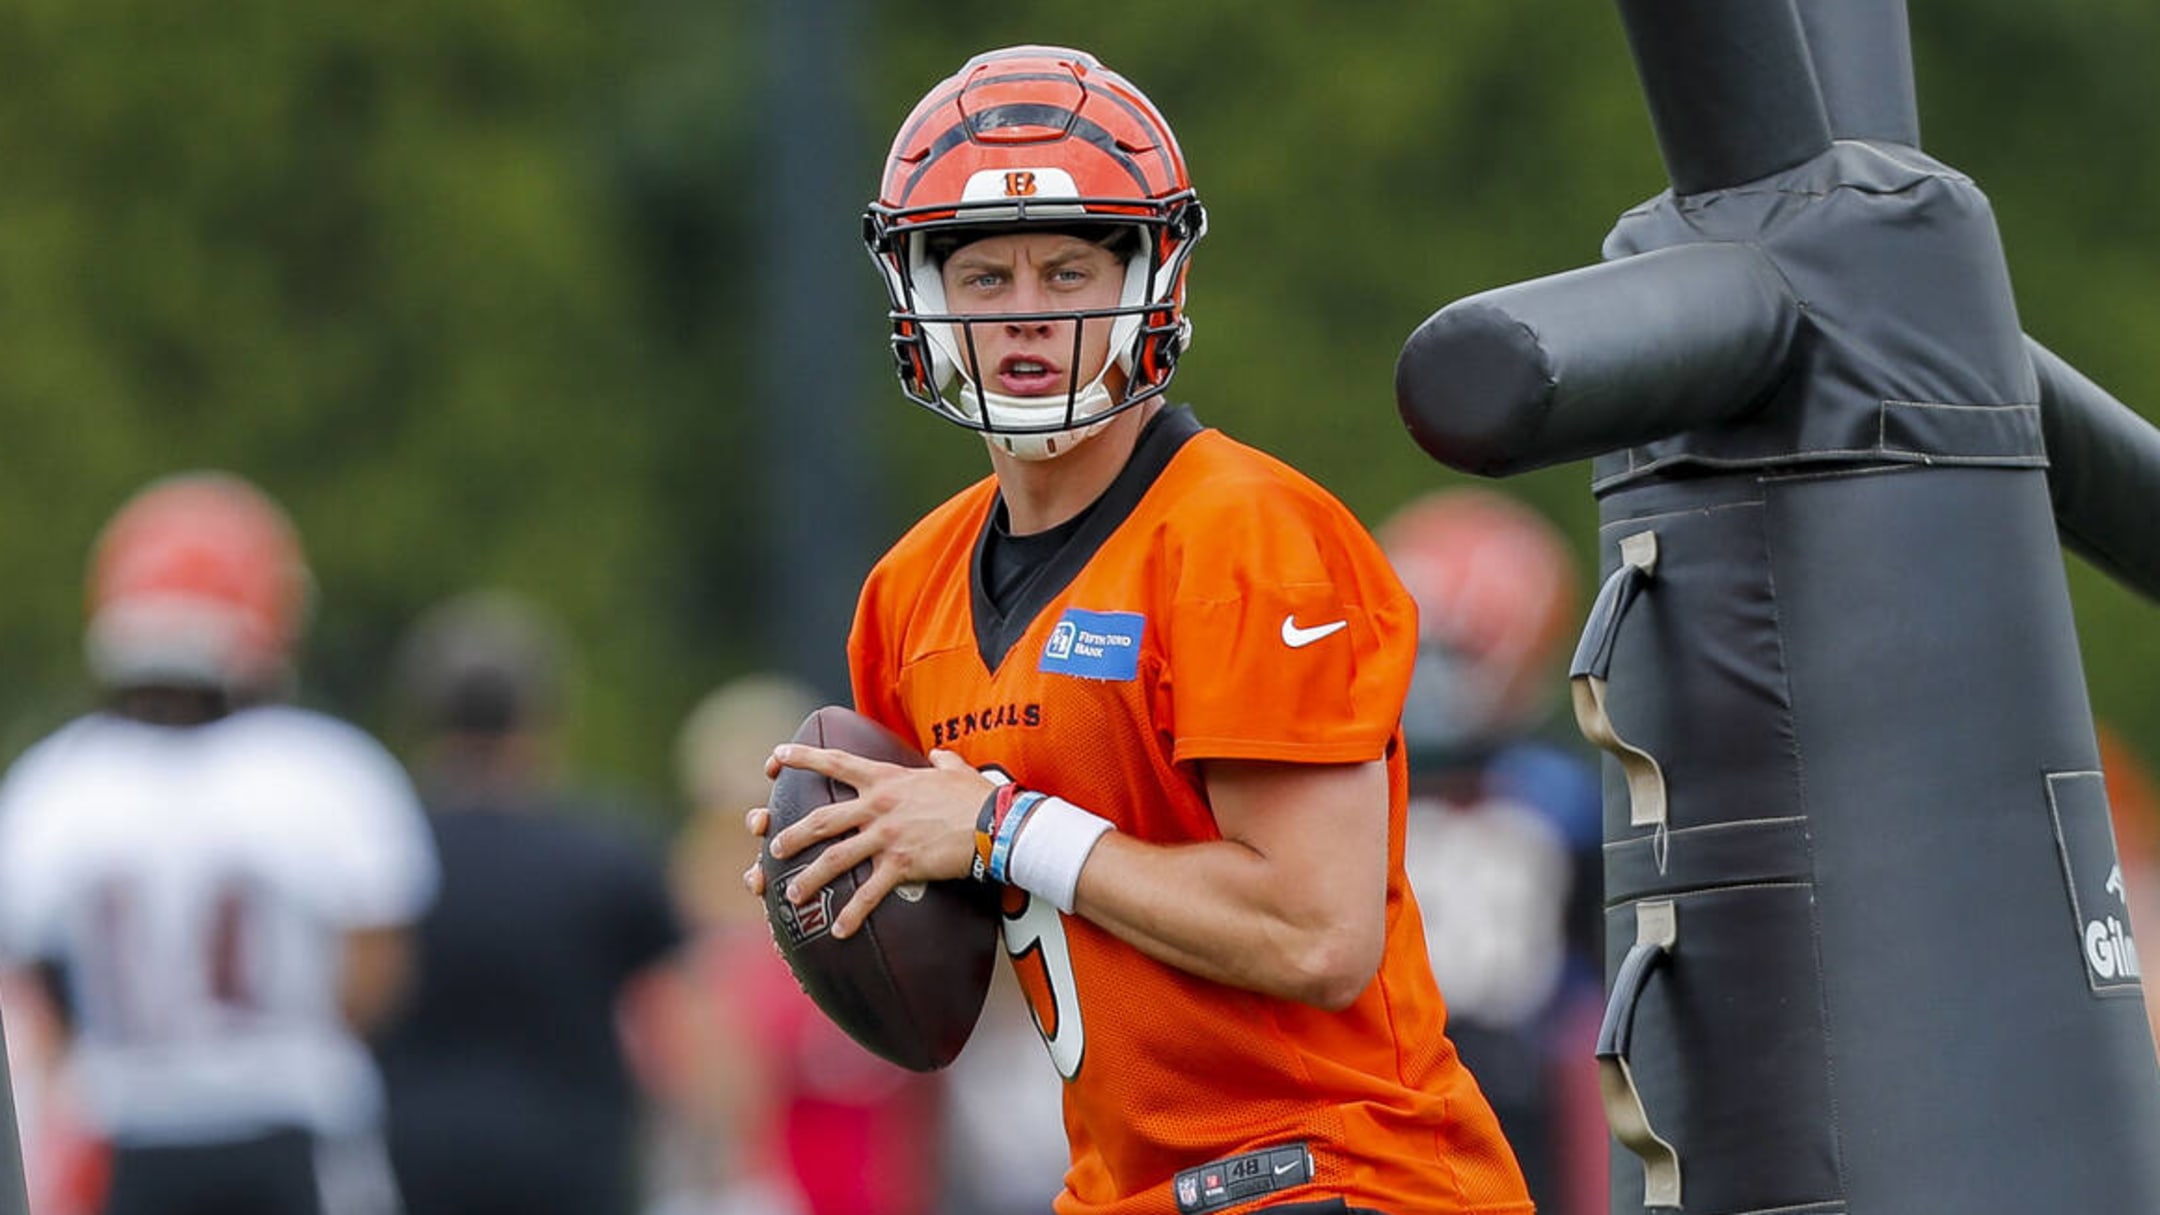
1290 638
873 673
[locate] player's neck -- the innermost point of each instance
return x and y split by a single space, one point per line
487 770
162 705
1040 494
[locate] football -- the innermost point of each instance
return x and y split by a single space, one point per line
910 984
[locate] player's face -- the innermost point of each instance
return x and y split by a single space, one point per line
1034 272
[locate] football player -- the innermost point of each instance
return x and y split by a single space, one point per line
1506 830
549 952
1161 677
214 886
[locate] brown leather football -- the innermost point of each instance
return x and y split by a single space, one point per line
910 984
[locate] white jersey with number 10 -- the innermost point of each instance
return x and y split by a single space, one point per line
194 886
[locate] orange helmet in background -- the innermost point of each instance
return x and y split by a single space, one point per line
1495 586
198 581
2133 798
1034 137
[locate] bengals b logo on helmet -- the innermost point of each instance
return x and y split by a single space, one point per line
1020 183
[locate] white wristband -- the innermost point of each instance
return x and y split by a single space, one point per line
1054 843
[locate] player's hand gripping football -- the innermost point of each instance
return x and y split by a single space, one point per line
911 824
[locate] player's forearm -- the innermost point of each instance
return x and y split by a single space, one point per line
376 973
1225 912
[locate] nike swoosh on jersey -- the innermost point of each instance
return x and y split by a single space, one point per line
1297 638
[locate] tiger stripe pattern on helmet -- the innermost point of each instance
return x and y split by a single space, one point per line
1048 138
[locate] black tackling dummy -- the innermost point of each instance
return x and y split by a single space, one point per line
1866 938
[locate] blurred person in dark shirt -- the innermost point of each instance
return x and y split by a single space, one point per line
511 1085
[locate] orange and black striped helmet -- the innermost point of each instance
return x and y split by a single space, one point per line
1046 137
198 581
1495 587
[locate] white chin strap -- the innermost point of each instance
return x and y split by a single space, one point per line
1006 410
999 415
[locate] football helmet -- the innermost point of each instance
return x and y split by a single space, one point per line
1495 587
1047 138
198 581
488 662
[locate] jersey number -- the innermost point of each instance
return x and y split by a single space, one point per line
127 982
1035 937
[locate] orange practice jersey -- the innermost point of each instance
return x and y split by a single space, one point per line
1215 604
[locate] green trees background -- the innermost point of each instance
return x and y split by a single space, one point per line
477 287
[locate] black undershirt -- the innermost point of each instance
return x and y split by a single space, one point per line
1009 560
1013 578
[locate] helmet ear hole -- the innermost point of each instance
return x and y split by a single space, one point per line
1165 360
908 364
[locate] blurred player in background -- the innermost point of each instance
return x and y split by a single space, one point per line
787 1114
1004 1146
2134 808
510 1087
1189 663
1505 826
214 888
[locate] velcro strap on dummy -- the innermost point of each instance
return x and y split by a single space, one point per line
1657 929
1593 659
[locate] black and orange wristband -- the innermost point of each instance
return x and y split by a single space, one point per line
994 808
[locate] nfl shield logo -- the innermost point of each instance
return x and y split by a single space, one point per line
1188 1191
812 919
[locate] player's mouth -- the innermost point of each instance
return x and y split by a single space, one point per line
1026 375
